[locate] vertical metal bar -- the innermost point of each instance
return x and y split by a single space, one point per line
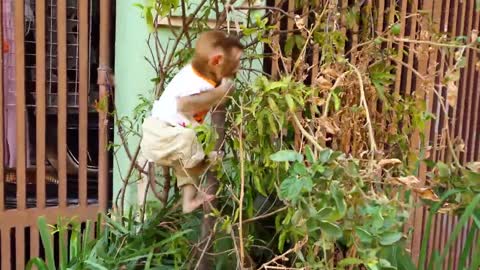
355 29
413 27
398 80
6 249
34 242
471 80
40 102
62 101
381 15
276 38
290 26
451 122
20 248
2 108
83 104
463 89
475 143
422 68
105 28
20 100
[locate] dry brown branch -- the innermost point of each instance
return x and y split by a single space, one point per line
283 256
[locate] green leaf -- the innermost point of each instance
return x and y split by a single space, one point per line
318 168
273 106
332 230
396 29
281 240
390 238
286 155
363 235
324 213
39 263
95 266
336 101
325 155
350 261
46 241
272 123
339 200
259 186
299 41
290 102
299 168
291 188
289 45
309 154
477 5
277 84
443 170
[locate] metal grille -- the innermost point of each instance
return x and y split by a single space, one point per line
46 76
52 54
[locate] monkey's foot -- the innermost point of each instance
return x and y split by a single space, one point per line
200 199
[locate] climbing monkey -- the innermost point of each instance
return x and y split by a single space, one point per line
168 135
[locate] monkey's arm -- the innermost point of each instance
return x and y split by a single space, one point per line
202 101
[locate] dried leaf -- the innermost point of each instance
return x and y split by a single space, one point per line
474 166
390 161
408 181
299 22
318 101
328 125
447 208
474 36
452 93
426 194
323 83
330 72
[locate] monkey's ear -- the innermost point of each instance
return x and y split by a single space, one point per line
216 59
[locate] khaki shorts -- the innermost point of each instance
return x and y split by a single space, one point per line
172 146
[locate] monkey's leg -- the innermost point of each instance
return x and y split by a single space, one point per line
211 159
192 198
188 180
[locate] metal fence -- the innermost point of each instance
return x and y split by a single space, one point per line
455 18
49 60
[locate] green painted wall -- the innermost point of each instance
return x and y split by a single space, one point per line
133 75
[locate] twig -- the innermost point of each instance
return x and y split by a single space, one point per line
373 145
433 43
305 133
242 192
335 85
263 216
203 251
297 246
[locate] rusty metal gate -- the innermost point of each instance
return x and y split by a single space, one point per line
53 142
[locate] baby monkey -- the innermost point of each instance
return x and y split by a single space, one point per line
168 135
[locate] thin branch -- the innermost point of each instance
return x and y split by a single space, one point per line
242 191
373 145
305 133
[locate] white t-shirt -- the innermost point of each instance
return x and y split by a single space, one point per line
186 83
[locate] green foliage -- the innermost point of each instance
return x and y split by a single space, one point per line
121 243
320 207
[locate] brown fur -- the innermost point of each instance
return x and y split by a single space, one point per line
211 43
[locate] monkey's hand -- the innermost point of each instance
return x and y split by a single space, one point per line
228 87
